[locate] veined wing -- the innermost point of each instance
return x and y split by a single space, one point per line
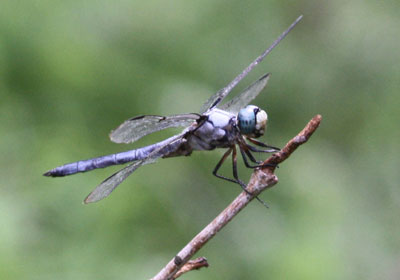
133 129
244 98
107 186
214 100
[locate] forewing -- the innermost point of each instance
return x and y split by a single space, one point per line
214 100
107 186
246 96
135 128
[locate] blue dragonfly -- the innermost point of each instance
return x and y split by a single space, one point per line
232 124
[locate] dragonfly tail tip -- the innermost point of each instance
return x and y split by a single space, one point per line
48 173
54 173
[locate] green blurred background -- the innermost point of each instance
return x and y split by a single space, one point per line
70 71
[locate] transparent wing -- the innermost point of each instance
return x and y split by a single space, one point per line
246 96
214 100
135 128
107 186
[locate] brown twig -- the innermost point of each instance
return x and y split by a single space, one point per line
192 265
261 179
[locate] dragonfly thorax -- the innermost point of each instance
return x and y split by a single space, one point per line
252 121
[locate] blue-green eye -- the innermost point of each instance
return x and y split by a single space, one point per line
247 120
252 121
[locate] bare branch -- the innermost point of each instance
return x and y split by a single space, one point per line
261 179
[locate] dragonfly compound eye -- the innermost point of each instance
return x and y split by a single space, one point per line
252 121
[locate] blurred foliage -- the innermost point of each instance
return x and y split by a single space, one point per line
70 71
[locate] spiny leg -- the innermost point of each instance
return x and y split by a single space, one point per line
261 144
257 150
234 169
234 159
219 164
234 164
244 150
236 176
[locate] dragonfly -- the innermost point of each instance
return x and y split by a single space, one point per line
231 125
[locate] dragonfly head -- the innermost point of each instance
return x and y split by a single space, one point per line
252 121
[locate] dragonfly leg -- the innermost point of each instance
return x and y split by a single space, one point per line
244 150
271 149
236 176
219 164
234 163
257 150
235 173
